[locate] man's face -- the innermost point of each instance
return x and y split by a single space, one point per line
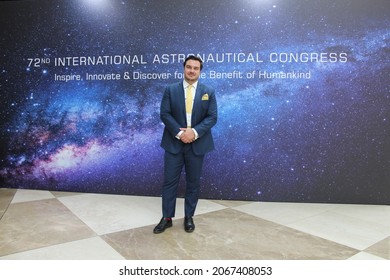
192 71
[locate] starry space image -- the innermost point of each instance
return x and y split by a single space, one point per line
302 86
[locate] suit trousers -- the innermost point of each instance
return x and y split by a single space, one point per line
173 166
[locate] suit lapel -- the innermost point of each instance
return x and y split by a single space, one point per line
181 99
197 98
197 101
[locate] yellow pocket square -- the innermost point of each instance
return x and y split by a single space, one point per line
205 96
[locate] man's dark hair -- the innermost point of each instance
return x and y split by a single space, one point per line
193 57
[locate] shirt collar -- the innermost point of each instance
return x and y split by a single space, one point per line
185 84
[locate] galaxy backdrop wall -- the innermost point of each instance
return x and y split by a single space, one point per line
302 88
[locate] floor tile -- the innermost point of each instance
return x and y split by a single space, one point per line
86 249
31 195
365 256
61 194
111 213
346 230
379 214
231 203
225 234
65 225
358 226
36 224
381 249
285 213
204 206
6 196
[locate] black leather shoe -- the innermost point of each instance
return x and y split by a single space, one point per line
189 225
162 225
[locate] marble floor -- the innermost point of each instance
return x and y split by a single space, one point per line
45 225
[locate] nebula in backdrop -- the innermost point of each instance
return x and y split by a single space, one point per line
320 134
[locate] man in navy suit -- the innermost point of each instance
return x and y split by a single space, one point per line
188 111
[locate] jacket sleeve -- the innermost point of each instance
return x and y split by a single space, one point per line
166 114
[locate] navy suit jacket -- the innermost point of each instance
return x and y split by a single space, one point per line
173 115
